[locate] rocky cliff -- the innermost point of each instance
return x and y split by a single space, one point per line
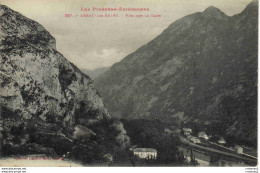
47 104
202 68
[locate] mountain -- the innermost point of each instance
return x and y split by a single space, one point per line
48 106
202 69
96 72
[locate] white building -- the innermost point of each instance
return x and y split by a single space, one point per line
145 153
195 140
187 131
239 149
222 141
203 135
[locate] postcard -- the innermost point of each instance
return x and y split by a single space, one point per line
120 83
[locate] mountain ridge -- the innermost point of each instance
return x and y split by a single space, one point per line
195 67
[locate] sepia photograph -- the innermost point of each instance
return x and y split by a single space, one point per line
120 83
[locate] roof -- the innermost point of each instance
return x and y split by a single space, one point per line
222 141
144 150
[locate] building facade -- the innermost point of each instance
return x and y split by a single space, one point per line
145 153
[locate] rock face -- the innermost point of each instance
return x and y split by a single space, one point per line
44 97
202 67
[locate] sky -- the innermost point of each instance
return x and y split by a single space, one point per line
94 42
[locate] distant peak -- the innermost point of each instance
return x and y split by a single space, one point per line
213 11
211 8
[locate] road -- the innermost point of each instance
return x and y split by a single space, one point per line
215 151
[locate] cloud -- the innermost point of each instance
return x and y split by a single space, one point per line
96 59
